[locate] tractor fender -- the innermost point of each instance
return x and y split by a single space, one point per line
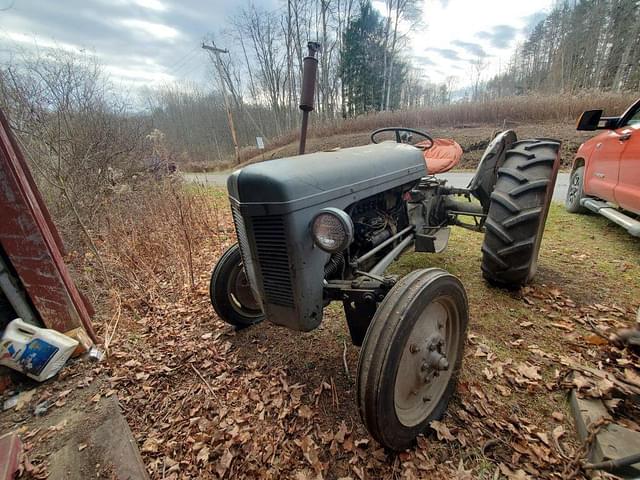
484 179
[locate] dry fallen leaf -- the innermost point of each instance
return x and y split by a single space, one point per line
504 391
462 473
544 437
513 475
203 455
442 431
150 445
632 377
596 340
558 432
342 432
310 452
224 463
529 371
580 381
305 412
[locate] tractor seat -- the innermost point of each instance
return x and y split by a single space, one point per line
442 156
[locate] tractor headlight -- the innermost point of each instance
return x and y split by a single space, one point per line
332 230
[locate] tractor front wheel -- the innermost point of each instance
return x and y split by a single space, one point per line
230 292
518 212
408 365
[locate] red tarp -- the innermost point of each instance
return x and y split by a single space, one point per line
442 156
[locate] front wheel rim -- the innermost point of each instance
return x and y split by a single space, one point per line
428 362
240 295
574 187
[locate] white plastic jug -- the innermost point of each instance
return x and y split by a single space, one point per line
37 352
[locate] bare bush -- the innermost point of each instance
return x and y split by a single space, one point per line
151 238
81 140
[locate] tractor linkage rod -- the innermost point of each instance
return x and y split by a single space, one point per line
387 242
388 259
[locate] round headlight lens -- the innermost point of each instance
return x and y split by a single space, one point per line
332 230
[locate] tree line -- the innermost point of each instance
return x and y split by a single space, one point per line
583 44
364 68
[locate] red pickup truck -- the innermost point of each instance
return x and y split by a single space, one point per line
605 177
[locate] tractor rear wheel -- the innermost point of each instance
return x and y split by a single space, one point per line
518 212
409 362
231 295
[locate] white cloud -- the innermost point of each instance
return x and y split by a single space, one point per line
468 27
156 5
157 30
37 41
138 75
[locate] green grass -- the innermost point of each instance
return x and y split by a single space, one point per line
586 258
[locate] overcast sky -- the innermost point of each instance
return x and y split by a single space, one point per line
152 42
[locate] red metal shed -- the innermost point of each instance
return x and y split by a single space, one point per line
32 252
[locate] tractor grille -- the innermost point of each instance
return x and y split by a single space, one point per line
272 256
273 259
241 232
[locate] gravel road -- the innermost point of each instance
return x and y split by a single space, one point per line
456 179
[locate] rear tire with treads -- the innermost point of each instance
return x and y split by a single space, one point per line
518 212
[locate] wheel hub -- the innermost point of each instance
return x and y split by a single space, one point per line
240 291
434 358
573 188
424 369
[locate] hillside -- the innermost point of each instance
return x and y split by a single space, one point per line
473 140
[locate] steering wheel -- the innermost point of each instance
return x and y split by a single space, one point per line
399 131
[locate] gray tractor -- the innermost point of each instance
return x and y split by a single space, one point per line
324 227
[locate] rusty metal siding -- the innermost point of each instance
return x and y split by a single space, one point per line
33 245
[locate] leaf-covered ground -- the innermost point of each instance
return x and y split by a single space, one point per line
205 401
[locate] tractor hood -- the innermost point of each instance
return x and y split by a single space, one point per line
289 184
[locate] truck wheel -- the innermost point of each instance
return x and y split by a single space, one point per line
230 293
575 193
518 212
408 366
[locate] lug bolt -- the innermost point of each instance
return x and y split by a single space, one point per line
413 348
443 364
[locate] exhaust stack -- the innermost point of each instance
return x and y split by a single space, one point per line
309 71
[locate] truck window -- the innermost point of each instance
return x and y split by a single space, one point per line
634 121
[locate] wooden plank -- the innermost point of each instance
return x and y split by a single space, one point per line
108 447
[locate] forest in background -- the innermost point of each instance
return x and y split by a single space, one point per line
581 46
586 44
364 69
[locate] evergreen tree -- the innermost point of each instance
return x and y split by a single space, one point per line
361 64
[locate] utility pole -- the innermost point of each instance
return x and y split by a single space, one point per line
216 53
